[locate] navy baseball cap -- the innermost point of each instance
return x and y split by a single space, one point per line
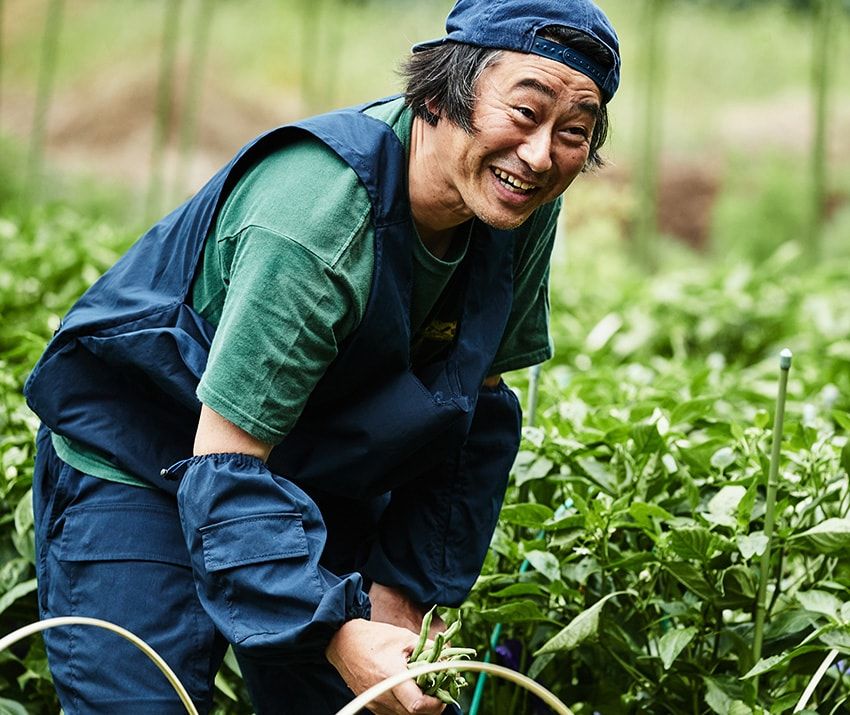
516 24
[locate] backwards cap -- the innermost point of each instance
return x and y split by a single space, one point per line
516 24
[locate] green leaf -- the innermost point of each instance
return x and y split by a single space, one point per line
222 684
752 544
828 537
845 457
842 418
583 626
722 458
531 515
721 702
23 514
519 589
10 707
647 439
514 612
692 410
821 602
692 579
16 592
673 642
644 514
530 470
723 506
539 664
761 419
545 563
598 472
694 542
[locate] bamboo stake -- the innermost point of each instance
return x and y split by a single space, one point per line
197 63
822 51
46 77
646 228
770 505
164 105
1 59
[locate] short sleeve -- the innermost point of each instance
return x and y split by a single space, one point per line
526 340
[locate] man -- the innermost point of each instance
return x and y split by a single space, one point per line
314 342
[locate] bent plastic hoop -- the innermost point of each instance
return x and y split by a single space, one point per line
351 709
369 695
49 623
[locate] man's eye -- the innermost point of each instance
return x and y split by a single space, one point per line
525 112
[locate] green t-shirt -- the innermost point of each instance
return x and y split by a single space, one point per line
286 274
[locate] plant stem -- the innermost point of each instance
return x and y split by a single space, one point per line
770 506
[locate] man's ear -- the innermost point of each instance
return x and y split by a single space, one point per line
431 106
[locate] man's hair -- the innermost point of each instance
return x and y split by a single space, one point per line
446 77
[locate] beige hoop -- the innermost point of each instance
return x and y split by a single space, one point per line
369 695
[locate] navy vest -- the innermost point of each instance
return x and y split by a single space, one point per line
120 374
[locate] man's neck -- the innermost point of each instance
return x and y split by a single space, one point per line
436 208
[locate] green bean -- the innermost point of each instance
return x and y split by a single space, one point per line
423 634
445 696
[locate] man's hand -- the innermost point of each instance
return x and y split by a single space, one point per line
365 653
390 605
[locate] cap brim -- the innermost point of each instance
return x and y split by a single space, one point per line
419 47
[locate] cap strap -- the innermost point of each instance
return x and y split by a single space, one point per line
572 58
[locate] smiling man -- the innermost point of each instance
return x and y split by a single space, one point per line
314 343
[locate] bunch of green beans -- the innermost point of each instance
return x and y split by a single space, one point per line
445 685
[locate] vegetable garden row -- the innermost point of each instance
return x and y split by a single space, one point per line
637 501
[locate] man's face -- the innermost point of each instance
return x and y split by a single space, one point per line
533 122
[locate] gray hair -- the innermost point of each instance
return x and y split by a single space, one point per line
446 78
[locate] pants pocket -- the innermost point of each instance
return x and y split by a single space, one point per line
127 563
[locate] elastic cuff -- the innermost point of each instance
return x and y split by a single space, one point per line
175 472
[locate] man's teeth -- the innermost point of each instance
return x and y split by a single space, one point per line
512 180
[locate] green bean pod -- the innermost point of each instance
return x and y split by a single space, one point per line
423 634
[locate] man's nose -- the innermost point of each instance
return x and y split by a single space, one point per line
536 150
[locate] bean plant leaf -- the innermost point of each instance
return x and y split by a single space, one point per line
514 612
531 515
692 579
519 589
598 472
692 410
845 457
16 592
842 418
828 537
545 563
11 707
539 664
723 506
583 626
531 467
752 544
722 458
673 642
821 602
694 543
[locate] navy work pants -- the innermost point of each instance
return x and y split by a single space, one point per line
116 552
